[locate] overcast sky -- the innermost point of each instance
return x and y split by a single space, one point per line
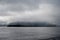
30 10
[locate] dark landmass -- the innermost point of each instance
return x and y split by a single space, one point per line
28 24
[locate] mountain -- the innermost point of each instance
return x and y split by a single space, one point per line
30 24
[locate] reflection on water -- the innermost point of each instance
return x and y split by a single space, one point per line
30 33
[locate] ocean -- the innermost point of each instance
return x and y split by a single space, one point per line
29 33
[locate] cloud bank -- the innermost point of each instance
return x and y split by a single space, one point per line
30 11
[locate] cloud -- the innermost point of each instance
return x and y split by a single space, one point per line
30 10
5 18
44 13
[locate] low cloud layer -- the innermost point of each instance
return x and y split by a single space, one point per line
30 10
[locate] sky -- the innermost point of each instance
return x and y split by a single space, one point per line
30 11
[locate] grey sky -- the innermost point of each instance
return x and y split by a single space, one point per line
30 10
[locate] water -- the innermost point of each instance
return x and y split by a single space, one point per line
28 33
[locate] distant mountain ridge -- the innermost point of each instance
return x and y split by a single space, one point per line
30 24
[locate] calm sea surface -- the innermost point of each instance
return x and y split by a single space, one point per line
25 33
